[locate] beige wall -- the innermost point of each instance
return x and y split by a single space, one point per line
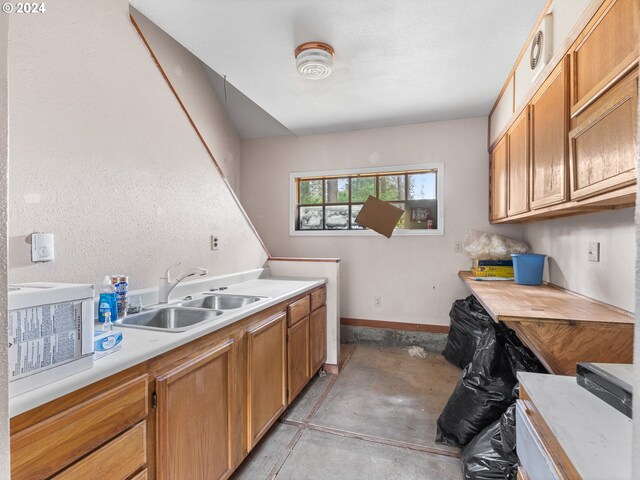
566 242
4 368
103 156
330 271
415 276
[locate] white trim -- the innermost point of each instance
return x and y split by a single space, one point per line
359 233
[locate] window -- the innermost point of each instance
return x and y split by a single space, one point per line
327 203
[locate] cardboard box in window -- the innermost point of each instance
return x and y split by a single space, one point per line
379 216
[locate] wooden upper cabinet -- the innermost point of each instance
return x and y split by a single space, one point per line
499 179
518 162
266 376
298 367
606 49
603 141
549 146
193 417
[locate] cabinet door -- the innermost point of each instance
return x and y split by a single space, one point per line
518 161
549 146
299 370
606 49
267 375
318 338
499 178
193 417
603 142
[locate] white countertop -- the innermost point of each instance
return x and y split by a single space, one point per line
595 436
141 345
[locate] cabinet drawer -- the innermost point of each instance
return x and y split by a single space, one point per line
318 298
117 460
298 310
534 460
143 475
47 447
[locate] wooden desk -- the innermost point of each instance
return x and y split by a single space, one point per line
560 327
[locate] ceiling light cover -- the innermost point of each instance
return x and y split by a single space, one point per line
314 60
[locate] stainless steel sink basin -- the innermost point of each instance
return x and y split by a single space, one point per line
168 319
220 302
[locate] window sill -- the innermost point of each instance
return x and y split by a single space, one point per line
364 233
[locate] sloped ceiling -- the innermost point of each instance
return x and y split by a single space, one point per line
397 61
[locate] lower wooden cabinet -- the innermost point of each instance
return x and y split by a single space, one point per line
119 459
193 417
143 475
318 338
298 358
266 375
48 446
193 412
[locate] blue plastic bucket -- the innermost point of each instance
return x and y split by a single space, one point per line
528 268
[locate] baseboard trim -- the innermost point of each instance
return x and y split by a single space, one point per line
412 327
331 368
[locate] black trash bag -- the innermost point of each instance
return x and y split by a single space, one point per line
491 455
518 356
482 394
506 448
468 321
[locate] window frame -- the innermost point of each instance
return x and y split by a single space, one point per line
293 200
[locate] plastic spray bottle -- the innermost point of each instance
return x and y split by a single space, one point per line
108 301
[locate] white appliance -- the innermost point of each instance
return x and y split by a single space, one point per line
541 48
50 333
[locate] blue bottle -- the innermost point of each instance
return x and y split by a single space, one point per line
108 301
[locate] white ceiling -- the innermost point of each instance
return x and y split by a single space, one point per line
397 61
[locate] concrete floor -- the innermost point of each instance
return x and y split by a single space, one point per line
376 420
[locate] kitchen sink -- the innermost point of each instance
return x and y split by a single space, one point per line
168 319
220 302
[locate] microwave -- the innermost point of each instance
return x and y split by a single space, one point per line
50 333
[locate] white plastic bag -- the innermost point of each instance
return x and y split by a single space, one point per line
489 246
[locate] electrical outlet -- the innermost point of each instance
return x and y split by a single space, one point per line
457 246
594 251
377 302
215 241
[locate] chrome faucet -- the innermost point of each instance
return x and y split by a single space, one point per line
167 285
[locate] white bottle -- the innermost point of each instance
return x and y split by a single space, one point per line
108 325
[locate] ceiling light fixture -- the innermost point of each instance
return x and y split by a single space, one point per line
314 60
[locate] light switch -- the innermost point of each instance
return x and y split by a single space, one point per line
594 251
42 247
